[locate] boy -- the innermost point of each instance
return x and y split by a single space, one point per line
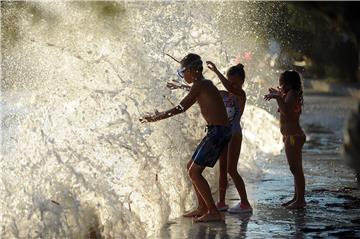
219 133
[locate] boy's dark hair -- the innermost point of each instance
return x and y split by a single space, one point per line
293 80
237 70
192 61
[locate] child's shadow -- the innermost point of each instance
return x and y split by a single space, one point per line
235 226
299 222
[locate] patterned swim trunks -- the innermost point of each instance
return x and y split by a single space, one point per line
210 148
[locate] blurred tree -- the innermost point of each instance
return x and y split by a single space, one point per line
333 32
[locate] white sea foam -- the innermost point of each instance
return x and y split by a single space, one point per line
76 77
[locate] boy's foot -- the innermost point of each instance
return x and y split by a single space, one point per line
210 217
296 205
288 203
222 206
240 208
195 213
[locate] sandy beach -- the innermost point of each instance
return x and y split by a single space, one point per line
333 200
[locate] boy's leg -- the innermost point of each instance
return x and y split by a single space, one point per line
294 157
223 177
201 209
233 158
204 190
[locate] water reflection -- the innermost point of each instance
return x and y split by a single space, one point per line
299 223
235 226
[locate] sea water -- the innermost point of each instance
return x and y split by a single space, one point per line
76 77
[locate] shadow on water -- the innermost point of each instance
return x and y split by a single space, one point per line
267 223
235 226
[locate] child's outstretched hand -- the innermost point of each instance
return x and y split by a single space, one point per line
172 86
273 94
149 117
211 66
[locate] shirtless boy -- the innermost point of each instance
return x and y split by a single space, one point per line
218 133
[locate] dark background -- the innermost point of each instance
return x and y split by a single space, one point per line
324 35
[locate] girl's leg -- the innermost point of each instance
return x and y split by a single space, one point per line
233 158
294 197
223 182
294 157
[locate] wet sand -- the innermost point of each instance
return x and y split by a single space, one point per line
333 199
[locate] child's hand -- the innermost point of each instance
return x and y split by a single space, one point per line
149 117
269 97
145 119
172 86
273 94
281 90
274 91
211 66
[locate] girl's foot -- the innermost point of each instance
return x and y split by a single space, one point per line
296 205
195 213
288 203
222 206
210 217
240 208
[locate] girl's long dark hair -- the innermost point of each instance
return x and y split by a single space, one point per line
293 80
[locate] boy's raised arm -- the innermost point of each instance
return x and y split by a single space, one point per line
185 104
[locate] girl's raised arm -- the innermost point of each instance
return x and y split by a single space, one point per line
227 84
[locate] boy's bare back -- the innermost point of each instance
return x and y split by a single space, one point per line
210 101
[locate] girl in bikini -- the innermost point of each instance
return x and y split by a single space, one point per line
289 97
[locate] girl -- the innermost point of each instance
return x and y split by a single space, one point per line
234 101
289 97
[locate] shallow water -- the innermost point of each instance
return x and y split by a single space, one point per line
332 194
76 77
